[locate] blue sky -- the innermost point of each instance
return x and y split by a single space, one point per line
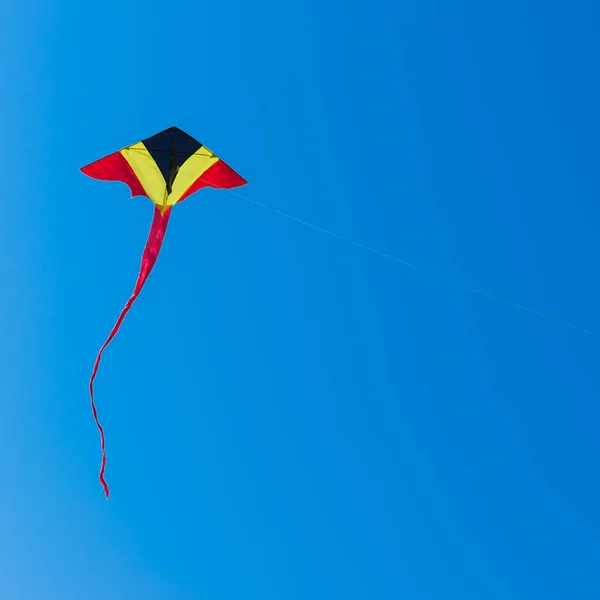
287 415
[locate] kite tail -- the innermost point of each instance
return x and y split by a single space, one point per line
151 250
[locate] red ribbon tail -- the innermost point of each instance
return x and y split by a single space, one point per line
151 250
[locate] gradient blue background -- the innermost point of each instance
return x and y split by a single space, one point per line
289 416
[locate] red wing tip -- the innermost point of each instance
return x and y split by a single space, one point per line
87 170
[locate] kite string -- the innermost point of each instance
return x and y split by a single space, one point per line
415 267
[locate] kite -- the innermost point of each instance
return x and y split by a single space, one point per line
165 168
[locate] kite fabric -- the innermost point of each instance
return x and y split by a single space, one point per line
166 168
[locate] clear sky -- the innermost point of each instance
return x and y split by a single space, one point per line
289 416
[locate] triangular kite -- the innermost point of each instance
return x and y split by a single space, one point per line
166 168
